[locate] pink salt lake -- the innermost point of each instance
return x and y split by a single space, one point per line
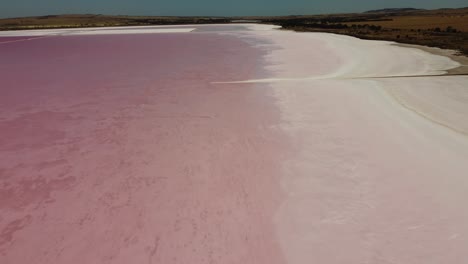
152 148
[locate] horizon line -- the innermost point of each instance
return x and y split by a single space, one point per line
220 16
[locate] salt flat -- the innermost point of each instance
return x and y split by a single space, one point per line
229 144
379 171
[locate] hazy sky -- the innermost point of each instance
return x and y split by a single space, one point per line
15 8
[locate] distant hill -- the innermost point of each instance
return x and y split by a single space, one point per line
393 10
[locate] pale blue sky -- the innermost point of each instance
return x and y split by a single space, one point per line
15 8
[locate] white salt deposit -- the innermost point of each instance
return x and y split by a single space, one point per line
95 31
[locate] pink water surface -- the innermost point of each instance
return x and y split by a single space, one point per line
119 149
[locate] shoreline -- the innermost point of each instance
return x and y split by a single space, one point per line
455 55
